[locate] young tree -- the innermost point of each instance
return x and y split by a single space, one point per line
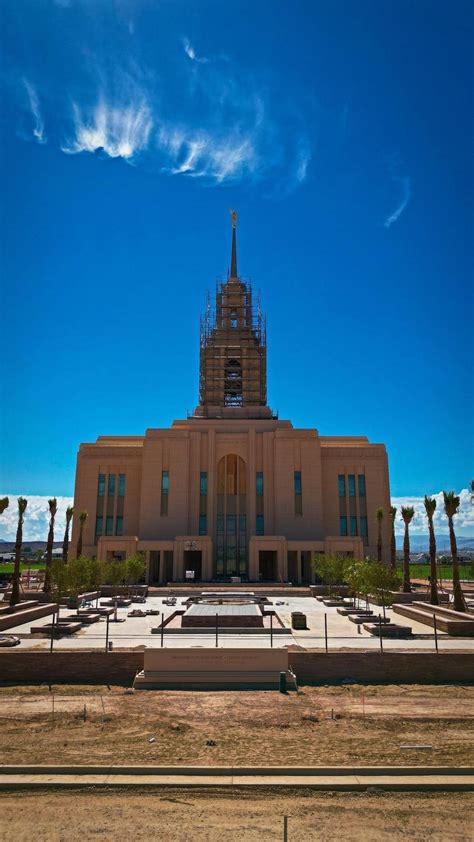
407 515
15 594
77 577
330 568
53 508
451 506
69 514
4 504
393 543
430 508
381 581
115 573
82 521
354 574
59 581
379 518
135 568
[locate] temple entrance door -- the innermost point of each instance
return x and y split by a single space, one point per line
193 561
268 565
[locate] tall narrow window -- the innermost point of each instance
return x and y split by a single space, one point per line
298 493
259 525
352 485
101 485
203 503
165 487
231 543
341 483
119 525
111 490
109 525
343 526
363 527
353 525
99 525
121 485
361 483
233 319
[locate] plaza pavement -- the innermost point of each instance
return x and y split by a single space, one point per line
342 634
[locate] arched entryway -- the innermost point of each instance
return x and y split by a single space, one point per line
231 522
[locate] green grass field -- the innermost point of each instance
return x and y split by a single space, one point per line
422 571
8 568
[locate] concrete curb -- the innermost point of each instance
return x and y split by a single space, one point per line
358 778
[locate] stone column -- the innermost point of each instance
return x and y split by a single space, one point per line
298 567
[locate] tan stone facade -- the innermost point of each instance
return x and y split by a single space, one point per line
232 490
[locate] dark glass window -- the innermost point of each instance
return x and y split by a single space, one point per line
353 525
297 483
101 485
242 523
352 485
341 481
203 483
111 491
99 525
119 525
121 487
260 525
343 525
109 525
220 523
203 524
363 527
231 524
165 486
259 483
361 481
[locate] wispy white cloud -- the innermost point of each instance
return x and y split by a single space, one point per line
36 519
33 101
224 126
464 520
191 52
120 130
405 182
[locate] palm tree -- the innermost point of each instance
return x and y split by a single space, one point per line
407 515
451 506
393 543
4 504
379 517
69 514
15 594
430 508
82 520
53 508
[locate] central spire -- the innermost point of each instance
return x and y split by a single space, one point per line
233 263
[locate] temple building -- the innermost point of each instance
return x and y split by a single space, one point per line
232 491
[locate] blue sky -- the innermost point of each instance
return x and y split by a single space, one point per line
341 132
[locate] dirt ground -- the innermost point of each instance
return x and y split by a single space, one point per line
317 726
180 816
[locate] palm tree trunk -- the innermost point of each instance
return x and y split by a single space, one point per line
15 594
459 601
433 572
379 543
79 542
49 557
406 587
66 543
393 550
